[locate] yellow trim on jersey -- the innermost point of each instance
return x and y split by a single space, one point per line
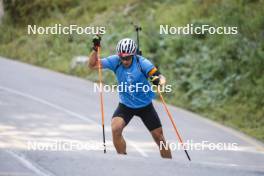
151 72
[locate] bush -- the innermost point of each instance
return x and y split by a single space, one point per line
31 11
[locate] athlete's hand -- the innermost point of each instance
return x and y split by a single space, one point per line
158 80
162 80
155 80
96 42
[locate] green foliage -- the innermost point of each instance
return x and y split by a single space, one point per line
219 76
30 11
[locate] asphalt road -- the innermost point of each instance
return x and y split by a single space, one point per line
39 107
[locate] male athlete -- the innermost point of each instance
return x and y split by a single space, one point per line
131 70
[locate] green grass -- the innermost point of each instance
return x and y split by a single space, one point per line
218 76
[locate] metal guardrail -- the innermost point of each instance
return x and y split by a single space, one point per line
78 61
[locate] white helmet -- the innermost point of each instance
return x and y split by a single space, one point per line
126 47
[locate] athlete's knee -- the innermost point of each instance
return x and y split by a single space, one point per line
117 126
117 130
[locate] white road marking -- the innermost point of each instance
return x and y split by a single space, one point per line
33 167
81 117
217 164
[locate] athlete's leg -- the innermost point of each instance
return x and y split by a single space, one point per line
151 120
118 125
157 135
121 118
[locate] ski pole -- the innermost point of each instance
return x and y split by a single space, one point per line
138 28
101 94
173 123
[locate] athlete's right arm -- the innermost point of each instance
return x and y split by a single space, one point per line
93 62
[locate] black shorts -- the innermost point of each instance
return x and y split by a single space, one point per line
147 114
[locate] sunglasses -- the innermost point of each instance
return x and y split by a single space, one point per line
126 58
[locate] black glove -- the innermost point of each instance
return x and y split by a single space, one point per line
155 80
96 42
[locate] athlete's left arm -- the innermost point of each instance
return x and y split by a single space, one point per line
156 77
